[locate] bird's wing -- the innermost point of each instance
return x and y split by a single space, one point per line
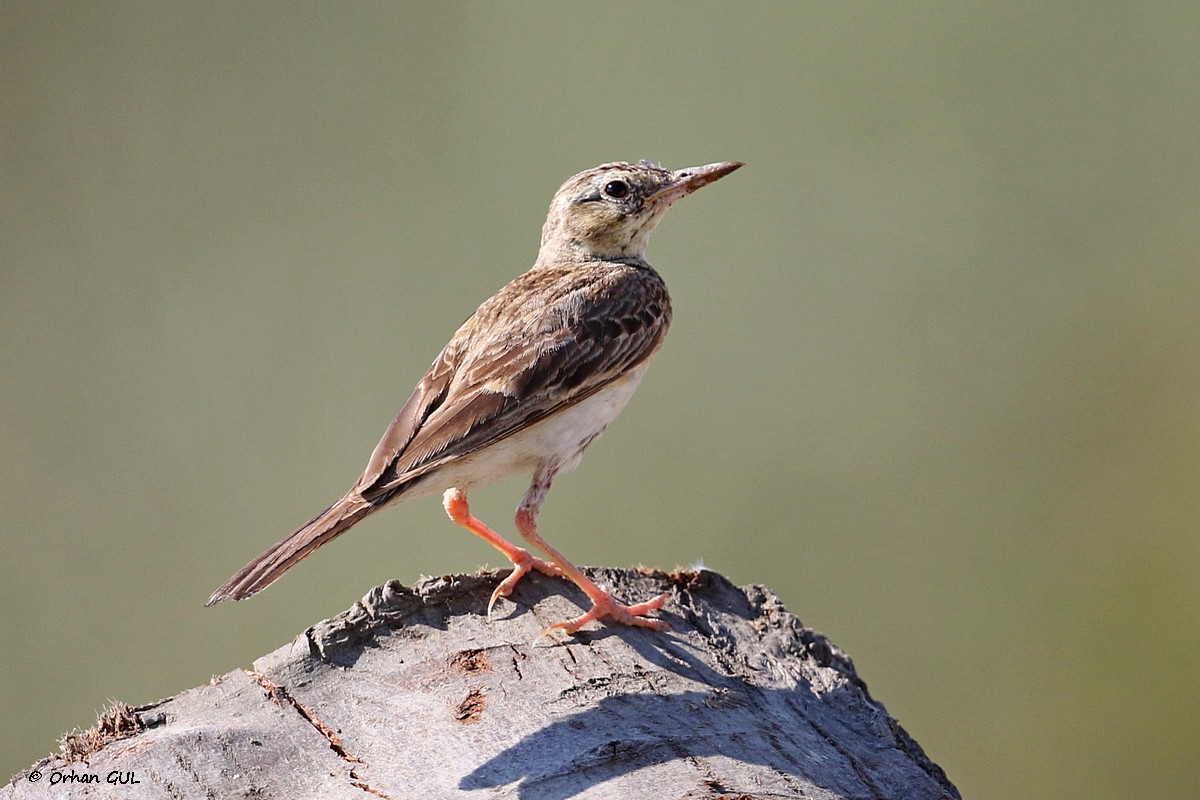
546 341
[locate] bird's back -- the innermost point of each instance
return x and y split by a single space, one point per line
549 339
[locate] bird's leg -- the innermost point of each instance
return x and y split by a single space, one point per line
455 503
604 605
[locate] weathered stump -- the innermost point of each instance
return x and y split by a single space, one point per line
414 693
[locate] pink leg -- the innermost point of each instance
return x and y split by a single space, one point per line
455 503
604 605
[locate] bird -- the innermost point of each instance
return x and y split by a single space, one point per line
531 378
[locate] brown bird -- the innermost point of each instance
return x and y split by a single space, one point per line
528 381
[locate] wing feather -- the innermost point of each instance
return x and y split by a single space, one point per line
547 340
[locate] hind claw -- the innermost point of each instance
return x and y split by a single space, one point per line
523 562
606 607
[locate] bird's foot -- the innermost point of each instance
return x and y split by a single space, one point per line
605 606
523 562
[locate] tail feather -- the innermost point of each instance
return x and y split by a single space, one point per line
285 554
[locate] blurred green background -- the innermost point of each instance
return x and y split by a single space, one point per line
934 373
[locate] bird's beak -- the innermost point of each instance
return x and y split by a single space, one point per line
689 179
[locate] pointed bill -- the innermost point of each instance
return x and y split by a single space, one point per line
689 179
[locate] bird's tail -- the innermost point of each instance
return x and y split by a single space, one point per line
264 570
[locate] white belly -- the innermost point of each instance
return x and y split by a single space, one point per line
556 442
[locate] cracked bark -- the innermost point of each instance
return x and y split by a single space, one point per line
412 692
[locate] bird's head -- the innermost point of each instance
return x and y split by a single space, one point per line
609 211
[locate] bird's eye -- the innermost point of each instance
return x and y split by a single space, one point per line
616 189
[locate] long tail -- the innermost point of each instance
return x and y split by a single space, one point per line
264 570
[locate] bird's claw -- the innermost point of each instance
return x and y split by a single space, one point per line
523 562
606 607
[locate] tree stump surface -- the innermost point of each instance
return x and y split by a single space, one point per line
415 693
